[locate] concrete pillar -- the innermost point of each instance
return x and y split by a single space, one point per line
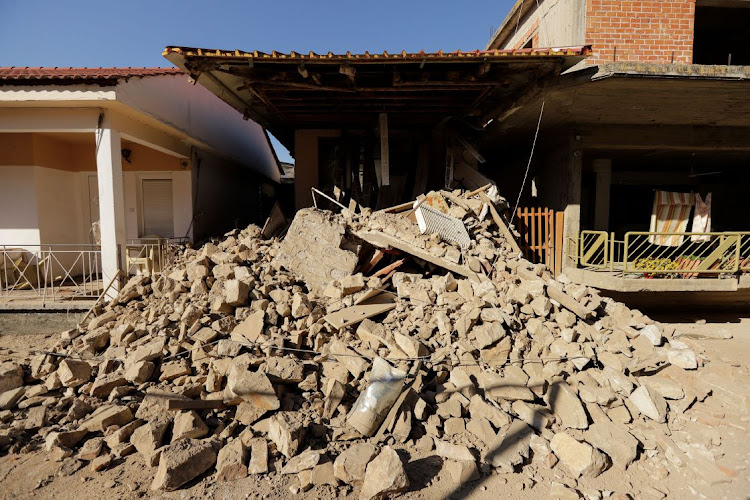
111 201
572 202
603 170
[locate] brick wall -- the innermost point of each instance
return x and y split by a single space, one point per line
644 31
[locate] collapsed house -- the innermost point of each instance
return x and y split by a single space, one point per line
381 128
356 335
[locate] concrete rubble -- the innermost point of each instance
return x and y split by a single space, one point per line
225 364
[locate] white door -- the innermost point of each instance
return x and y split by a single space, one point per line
157 211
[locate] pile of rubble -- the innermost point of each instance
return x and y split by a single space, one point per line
324 353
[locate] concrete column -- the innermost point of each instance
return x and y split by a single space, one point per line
572 202
111 201
603 170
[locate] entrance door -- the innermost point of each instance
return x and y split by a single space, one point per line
157 211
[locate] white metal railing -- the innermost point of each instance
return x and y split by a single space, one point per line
46 271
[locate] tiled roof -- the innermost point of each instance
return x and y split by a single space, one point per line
384 56
79 74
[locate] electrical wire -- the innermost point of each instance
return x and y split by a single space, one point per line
528 165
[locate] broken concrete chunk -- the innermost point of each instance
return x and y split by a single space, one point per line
286 432
580 458
304 461
251 328
253 387
106 416
510 447
452 451
462 472
384 475
615 441
188 425
650 403
351 464
73 373
181 462
258 456
232 461
313 249
563 402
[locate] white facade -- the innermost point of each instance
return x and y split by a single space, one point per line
71 155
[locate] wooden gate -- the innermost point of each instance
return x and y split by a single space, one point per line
541 231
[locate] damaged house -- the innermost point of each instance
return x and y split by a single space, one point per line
102 169
644 146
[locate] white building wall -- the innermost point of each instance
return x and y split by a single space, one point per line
561 23
19 216
197 112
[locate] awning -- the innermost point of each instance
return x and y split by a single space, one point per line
288 92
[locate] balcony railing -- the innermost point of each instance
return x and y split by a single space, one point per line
50 272
57 272
666 255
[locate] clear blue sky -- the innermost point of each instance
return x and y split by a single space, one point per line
134 32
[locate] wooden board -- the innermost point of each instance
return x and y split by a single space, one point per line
354 314
275 223
500 224
382 240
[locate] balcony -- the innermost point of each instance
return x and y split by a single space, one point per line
652 261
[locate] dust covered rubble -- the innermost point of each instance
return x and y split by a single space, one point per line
226 365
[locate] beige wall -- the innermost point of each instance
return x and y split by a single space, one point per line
77 153
19 220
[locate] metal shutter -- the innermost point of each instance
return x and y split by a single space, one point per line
158 217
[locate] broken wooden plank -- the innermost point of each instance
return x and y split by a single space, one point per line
354 314
377 257
275 223
195 404
382 240
570 303
391 267
500 224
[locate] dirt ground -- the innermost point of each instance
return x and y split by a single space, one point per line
717 427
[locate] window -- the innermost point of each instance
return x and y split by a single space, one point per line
722 28
156 208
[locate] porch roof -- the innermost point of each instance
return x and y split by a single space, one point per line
634 95
15 75
286 92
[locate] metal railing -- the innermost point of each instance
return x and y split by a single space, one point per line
50 271
666 254
151 255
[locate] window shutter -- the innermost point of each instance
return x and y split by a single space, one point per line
158 218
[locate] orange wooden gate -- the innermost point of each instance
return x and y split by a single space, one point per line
541 231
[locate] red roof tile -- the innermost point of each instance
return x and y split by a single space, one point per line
78 74
378 57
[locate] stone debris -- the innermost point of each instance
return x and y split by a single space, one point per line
225 364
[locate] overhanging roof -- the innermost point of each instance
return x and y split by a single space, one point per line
634 95
287 92
17 75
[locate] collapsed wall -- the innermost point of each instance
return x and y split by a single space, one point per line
255 356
